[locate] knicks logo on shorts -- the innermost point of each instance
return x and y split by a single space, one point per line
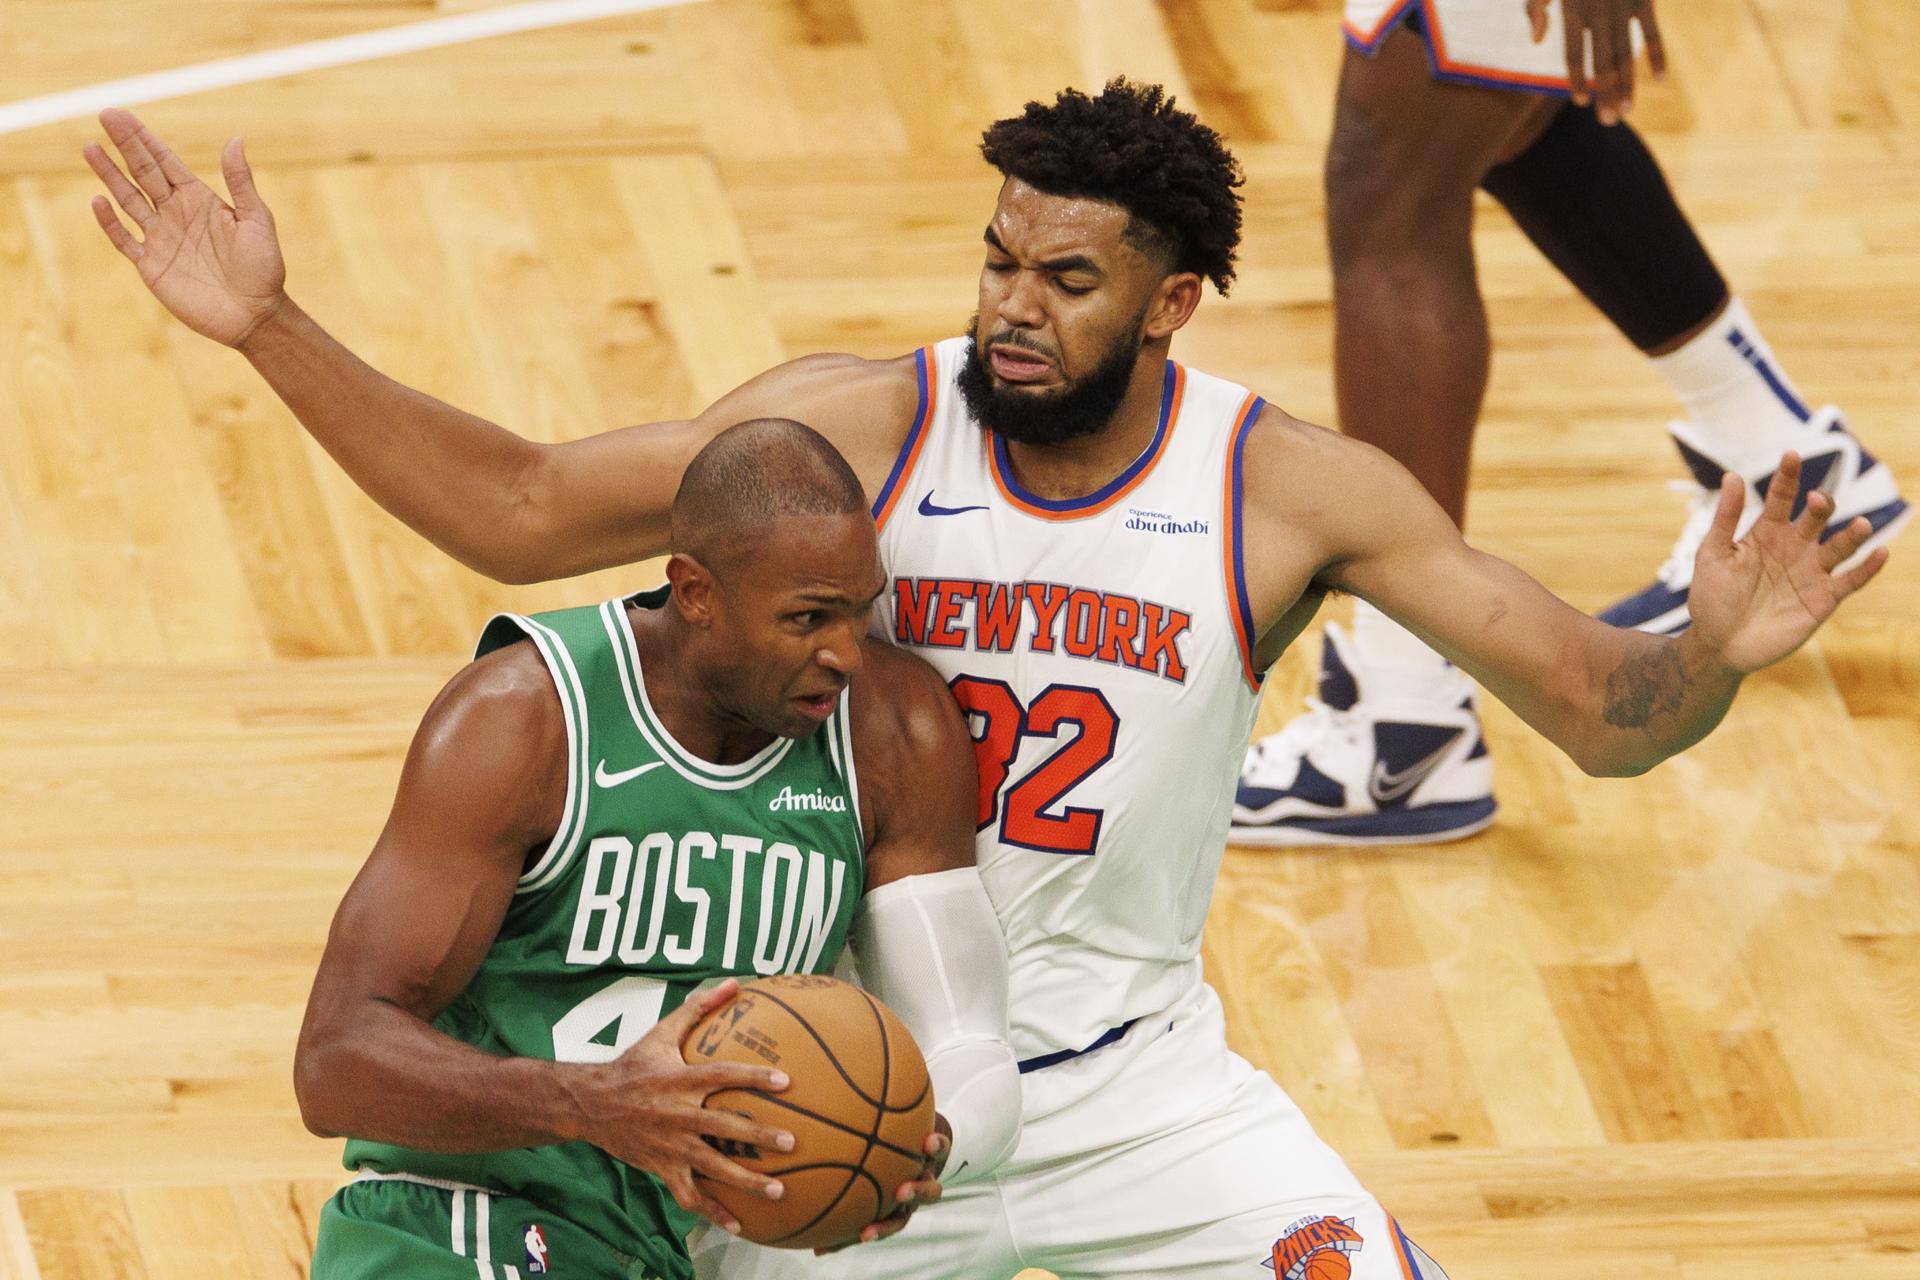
1316 1249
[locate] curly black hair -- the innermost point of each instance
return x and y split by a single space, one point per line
1130 146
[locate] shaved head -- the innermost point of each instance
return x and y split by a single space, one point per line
752 475
775 571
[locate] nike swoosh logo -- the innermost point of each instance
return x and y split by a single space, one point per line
605 779
1385 787
927 507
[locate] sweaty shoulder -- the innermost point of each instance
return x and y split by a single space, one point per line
916 764
495 741
1311 500
903 709
1307 488
865 407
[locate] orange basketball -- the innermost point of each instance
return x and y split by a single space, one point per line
859 1106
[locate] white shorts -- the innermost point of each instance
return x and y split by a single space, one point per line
1484 42
1232 1184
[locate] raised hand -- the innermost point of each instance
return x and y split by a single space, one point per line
1607 23
645 1108
1755 601
216 267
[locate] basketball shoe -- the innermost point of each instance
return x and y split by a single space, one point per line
1368 770
1831 459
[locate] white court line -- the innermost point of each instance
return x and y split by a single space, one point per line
16 1250
265 65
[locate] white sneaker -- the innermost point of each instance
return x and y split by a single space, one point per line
1359 770
1831 460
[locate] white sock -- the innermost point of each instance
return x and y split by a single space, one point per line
1396 663
1735 391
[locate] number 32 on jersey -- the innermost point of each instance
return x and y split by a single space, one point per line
1030 811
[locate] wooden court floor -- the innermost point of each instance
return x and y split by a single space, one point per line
1664 1028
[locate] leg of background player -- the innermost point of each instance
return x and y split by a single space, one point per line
1593 200
1410 332
1396 753
1393 755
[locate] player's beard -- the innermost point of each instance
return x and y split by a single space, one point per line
1080 408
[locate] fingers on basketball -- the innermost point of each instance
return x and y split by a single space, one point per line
688 1194
859 1105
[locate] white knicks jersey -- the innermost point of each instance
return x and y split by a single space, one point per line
1101 647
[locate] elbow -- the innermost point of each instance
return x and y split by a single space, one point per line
1601 750
516 555
504 553
532 548
977 1084
521 556
510 572
515 544
1598 760
1000 1146
313 1088
1612 768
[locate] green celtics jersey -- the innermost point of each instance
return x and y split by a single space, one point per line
667 871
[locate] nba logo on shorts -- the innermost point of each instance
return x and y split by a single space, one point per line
1316 1249
536 1242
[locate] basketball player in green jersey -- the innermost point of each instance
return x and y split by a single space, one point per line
609 807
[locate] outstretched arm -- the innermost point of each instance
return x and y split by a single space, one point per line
515 509
1618 702
483 783
512 508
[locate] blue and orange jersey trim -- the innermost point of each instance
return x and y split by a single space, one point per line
1445 66
1467 73
1115 489
1368 41
1403 1253
1233 559
927 369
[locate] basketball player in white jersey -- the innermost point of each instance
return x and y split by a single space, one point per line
1527 102
1102 551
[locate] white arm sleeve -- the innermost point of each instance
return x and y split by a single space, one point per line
931 948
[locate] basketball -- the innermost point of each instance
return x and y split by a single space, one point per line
859 1106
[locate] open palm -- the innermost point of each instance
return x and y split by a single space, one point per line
1757 600
216 267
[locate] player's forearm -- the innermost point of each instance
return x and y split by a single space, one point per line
932 948
1651 697
389 1077
462 482
1617 702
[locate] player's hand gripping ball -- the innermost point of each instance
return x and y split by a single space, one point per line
860 1106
